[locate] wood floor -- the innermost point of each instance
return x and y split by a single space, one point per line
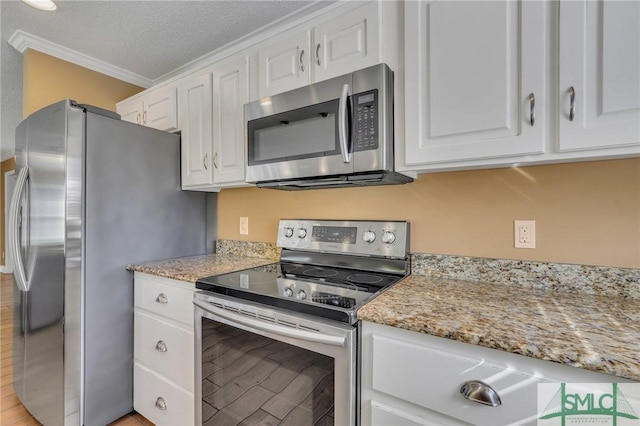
12 412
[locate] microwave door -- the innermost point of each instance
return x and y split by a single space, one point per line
310 141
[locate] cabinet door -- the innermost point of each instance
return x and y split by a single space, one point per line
284 65
195 116
131 111
470 70
600 61
160 110
347 43
230 93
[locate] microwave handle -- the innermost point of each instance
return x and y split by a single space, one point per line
343 126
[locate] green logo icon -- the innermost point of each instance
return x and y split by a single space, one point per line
566 404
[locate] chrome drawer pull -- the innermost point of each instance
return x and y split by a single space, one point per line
532 109
480 392
161 346
161 404
162 298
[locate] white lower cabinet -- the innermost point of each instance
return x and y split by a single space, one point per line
163 384
410 378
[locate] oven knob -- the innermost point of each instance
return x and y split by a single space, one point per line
369 236
288 292
288 232
388 237
302 295
302 233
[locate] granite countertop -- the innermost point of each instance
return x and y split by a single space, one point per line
596 333
194 267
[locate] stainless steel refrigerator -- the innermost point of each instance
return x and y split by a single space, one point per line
92 195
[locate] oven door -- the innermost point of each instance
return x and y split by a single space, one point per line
256 365
302 133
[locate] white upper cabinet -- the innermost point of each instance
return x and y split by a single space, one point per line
346 43
284 65
155 108
230 93
599 78
475 80
195 106
345 40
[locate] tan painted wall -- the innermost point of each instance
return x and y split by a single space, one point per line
47 80
586 213
5 166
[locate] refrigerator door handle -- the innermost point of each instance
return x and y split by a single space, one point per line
13 232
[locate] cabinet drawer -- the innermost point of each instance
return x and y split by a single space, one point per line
432 379
168 300
148 387
176 363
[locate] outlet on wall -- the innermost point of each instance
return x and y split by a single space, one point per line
524 233
244 225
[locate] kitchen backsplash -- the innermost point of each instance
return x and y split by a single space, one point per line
596 280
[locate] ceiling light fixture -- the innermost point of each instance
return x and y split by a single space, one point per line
47 5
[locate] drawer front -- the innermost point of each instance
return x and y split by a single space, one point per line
148 387
165 348
385 415
164 299
432 379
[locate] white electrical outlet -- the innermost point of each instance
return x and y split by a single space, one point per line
244 226
524 232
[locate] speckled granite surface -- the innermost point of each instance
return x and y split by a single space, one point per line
596 280
593 332
191 268
248 248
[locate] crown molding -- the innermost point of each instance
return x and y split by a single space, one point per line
7 155
22 41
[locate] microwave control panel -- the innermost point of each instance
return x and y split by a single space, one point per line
366 121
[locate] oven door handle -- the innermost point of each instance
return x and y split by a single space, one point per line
295 333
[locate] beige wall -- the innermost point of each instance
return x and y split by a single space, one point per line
47 80
586 213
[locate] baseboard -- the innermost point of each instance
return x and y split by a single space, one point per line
4 269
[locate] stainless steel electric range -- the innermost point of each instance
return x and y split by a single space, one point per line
283 336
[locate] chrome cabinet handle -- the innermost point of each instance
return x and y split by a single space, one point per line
162 298
144 117
318 54
480 392
343 124
532 109
572 103
204 161
301 64
161 404
215 157
138 118
161 346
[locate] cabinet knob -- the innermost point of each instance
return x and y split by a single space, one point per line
480 392
162 298
161 404
161 346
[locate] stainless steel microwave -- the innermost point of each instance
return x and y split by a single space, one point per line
334 133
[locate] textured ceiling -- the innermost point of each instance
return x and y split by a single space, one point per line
148 38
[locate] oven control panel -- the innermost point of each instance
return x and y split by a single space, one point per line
364 238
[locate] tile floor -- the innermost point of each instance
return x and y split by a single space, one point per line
12 412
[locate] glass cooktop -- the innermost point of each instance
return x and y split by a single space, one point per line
329 292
